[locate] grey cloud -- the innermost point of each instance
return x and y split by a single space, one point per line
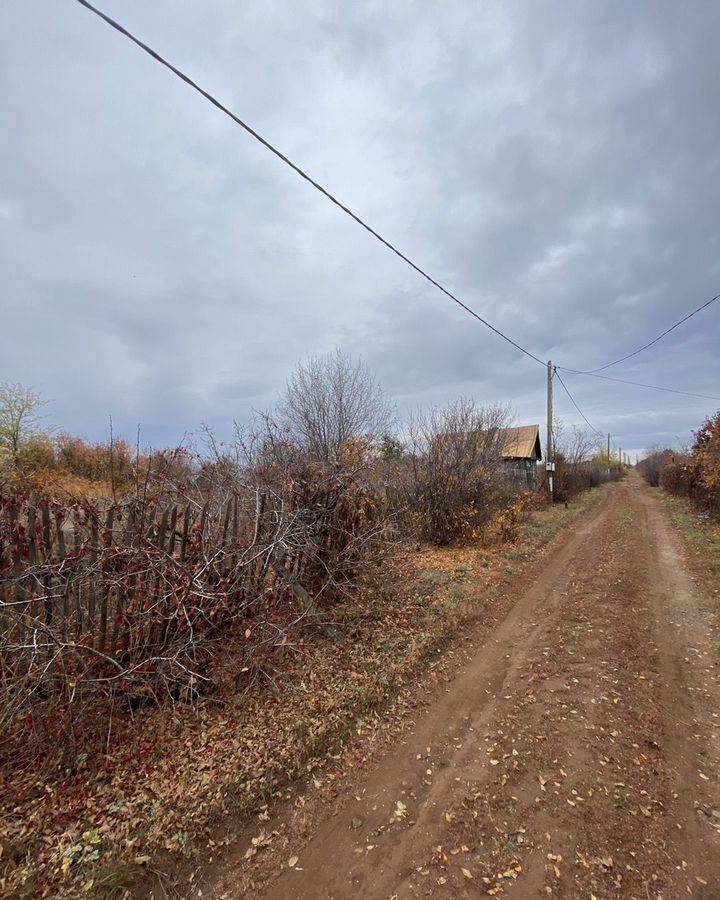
555 165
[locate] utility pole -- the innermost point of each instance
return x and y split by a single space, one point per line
620 456
608 456
549 449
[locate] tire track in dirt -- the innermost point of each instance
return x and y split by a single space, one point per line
562 761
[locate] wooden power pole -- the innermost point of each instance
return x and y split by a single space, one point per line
549 449
608 456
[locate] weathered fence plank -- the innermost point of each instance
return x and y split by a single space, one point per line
155 574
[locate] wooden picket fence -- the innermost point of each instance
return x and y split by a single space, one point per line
123 583
100 591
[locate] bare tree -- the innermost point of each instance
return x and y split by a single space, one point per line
19 419
330 399
576 444
577 455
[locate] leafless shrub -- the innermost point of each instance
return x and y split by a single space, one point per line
453 475
342 503
651 467
576 469
581 462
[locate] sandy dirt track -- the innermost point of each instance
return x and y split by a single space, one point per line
575 755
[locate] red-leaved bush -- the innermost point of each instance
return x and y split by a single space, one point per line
694 475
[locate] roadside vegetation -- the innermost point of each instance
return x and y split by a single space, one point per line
701 537
692 474
183 631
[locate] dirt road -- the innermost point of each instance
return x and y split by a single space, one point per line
575 755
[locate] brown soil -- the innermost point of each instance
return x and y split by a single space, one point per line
574 755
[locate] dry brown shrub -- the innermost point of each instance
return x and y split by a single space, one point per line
452 483
109 461
694 474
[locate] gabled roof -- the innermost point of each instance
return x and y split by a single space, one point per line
522 442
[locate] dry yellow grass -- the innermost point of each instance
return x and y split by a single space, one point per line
63 485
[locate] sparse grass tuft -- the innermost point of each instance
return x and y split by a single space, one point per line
113 882
515 555
436 578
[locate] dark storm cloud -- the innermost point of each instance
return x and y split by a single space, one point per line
556 165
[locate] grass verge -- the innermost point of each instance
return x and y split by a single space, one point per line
700 537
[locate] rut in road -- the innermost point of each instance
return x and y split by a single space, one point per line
575 756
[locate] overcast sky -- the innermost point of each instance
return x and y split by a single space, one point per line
555 164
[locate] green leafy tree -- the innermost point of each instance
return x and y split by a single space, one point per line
19 418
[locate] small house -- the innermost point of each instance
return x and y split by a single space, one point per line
521 453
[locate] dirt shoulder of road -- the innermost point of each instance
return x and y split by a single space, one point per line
174 790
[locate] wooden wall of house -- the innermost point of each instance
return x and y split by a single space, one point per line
523 473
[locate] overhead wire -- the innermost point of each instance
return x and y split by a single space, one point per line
574 403
296 168
654 340
654 387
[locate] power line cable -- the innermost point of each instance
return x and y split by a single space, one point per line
572 400
653 387
215 102
654 340
251 131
